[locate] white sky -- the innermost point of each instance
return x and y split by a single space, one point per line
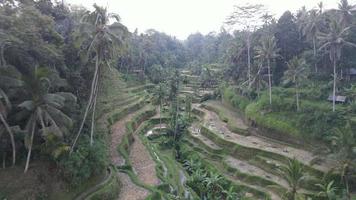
182 17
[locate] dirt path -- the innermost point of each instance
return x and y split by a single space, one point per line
247 168
213 122
130 191
194 129
142 162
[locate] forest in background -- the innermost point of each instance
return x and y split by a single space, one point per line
279 74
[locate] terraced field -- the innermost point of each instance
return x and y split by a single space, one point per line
146 169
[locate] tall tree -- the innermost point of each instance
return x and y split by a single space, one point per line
296 74
102 38
333 41
247 17
346 9
44 109
293 172
266 52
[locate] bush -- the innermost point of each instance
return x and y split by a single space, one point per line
85 162
234 99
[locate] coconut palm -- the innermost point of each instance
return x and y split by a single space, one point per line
160 93
213 184
9 78
294 175
296 74
344 145
43 109
5 106
345 9
267 51
327 190
101 39
310 30
333 41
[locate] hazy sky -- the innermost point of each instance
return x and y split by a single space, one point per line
181 17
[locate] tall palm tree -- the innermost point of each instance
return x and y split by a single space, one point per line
333 41
5 106
294 175
267 51
9 78
43 109
344 144
345 9
102 39
296 74
310 30
327 190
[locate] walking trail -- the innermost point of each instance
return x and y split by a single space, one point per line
212 121
141 161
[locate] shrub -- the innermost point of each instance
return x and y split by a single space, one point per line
85 162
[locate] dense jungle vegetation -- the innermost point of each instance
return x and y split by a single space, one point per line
266 111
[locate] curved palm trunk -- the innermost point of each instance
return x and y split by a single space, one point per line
93 114
334 87
269 81
296 92
30 147
160 117
249 58
11 134
90 102
314 52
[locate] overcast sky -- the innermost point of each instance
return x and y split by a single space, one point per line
182 17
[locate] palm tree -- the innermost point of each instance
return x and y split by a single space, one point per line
5 106
44 109
311 30
9 78
345 9
333 42
327 190
213 184
295 74
294 175
266 52
103 40
344 144
160 93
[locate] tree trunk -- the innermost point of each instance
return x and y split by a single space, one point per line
90 102
269 81
334 87
249 58
160 117
176 123
30 147
11 134
4 160
296 93
314 52
93 116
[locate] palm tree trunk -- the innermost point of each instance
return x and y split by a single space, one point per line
93 116
4 160
296 93
90 102
30 146
160 117
11 134
176 123
249 58
334 87
269 81
314 52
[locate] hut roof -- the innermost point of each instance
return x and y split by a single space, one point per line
340 99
